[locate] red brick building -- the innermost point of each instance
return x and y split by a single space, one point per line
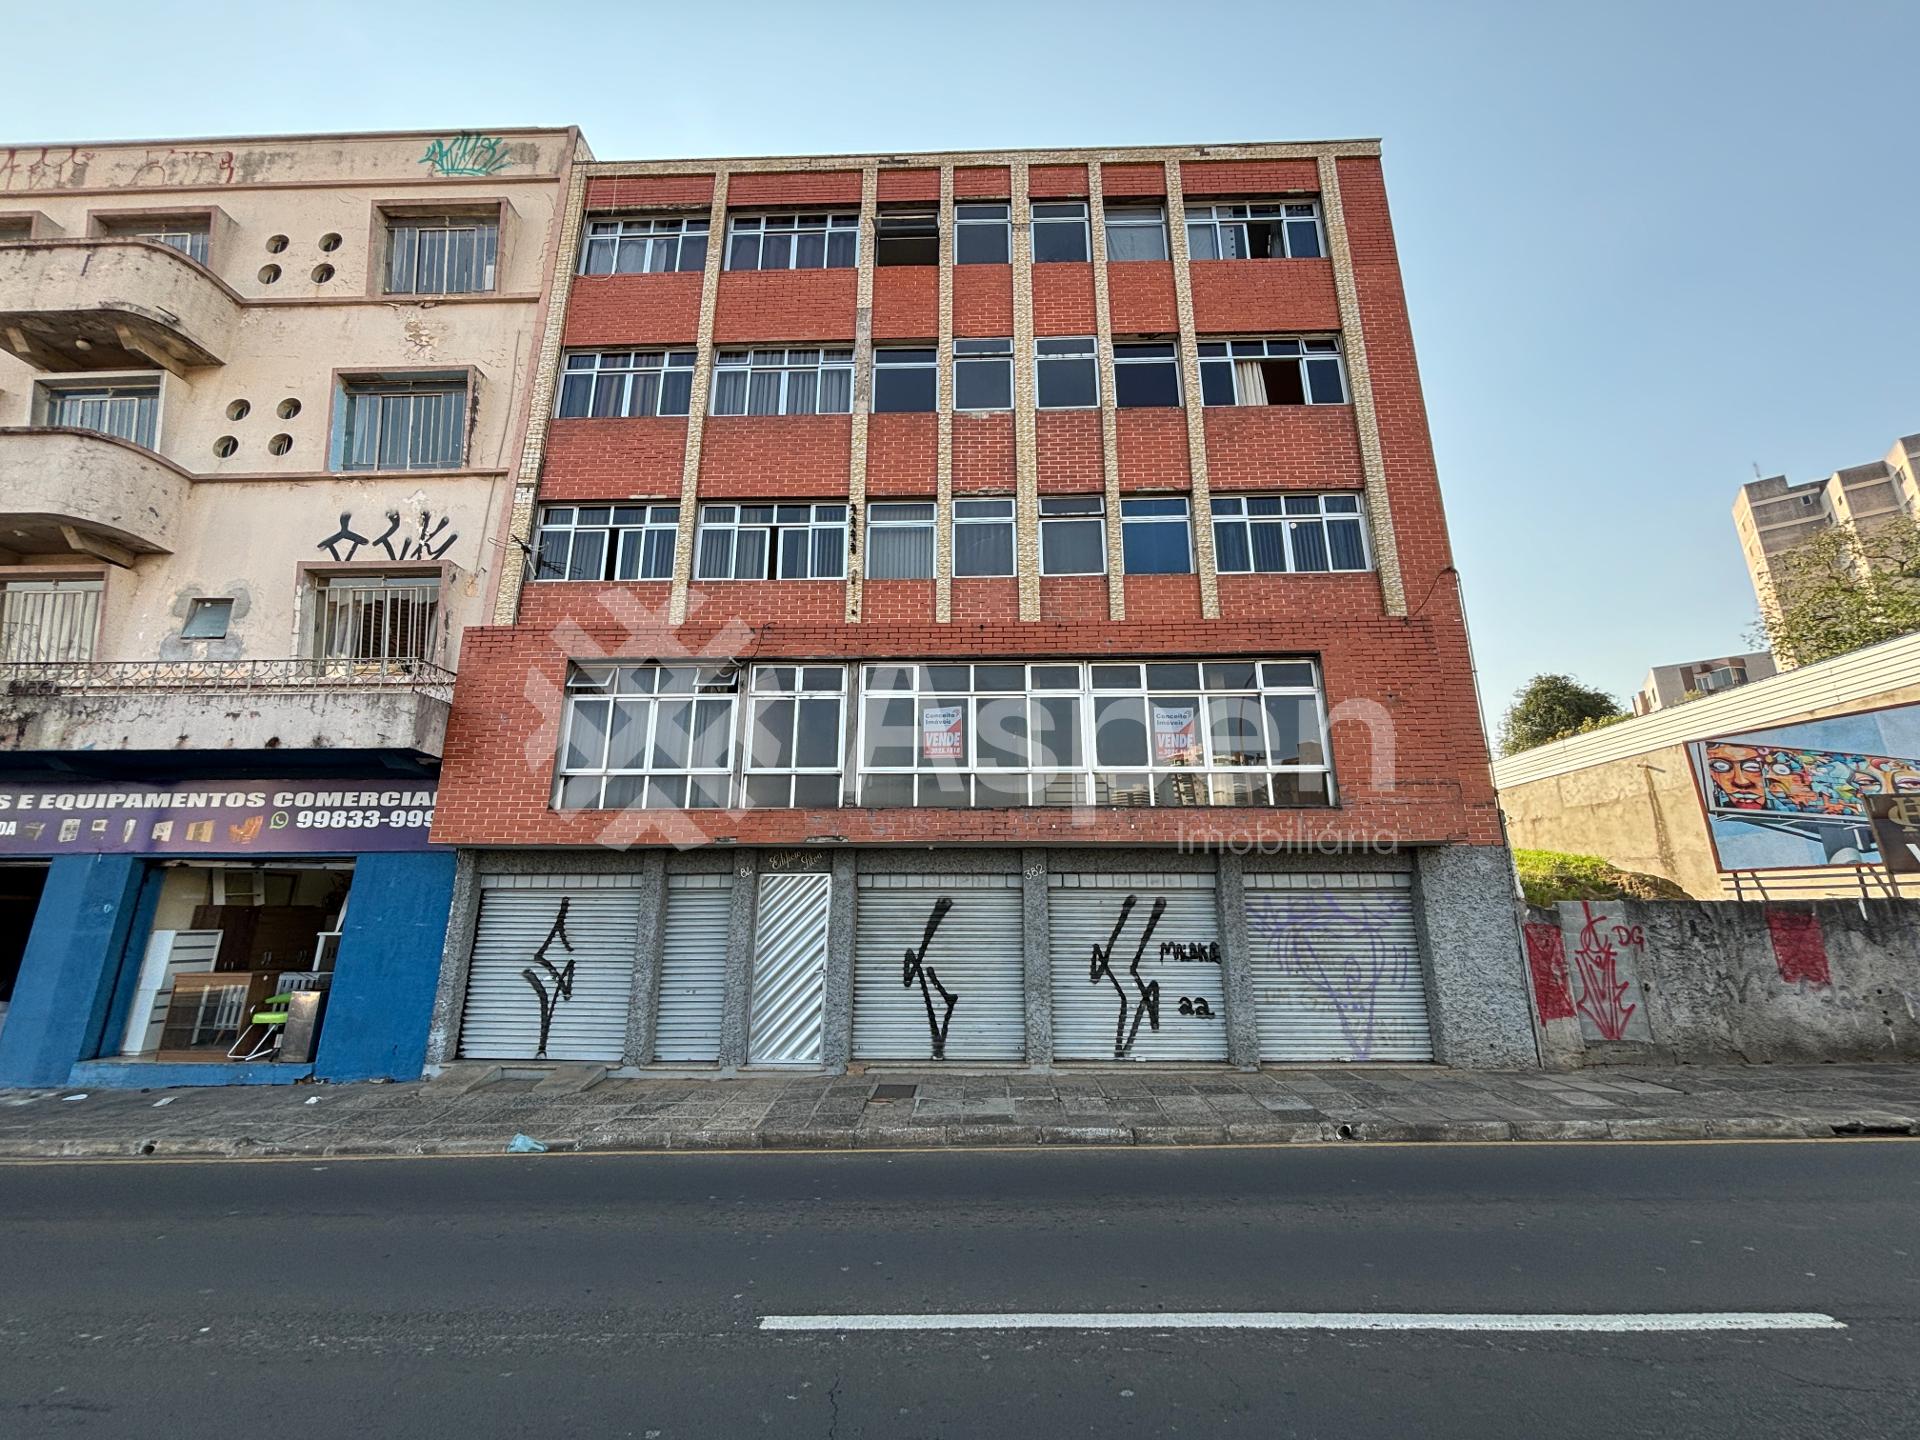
993 608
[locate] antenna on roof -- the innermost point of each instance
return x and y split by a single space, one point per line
1756 470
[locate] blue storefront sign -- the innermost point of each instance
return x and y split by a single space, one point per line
240 817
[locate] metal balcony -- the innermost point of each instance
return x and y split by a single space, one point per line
113 304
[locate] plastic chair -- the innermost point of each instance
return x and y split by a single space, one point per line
264 1030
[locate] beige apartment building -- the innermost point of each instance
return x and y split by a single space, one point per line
1772 516
260 400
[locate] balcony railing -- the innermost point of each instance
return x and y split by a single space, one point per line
95 677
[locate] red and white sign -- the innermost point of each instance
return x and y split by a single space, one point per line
941 734
1175 741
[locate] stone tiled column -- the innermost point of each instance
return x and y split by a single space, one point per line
697 404
1026 506
643 1006
1109 400
862 390
1202 504
943 467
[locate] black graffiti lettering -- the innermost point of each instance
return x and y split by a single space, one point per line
562 977
916 968
429 532
1207 951
385 538
343 536
1196 1006
1148 1006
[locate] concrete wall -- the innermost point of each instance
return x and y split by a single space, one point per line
1631 981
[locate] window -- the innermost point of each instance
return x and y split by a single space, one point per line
1155 538
772 542
907 239
403 425
904 380
1272 534
648 737
1145 375
793 242
130 411
982 538
207 620
899 540
1136 232
14 230
1073 535
377 617
1275 231
1191 733
49 621
982 235
983 374
187 234
796 737
1060 232
783 382
1069 379
628 383
441 255
606 542
1272 372
633 247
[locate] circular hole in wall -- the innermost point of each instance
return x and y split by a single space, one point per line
329 242
239 410
287 408
269 274
276 243
279 444
322 274
225 446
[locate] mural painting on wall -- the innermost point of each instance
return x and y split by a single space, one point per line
429 539
916 968
1799 795
559 976
1606 975
467 153
1344 962
1144 1004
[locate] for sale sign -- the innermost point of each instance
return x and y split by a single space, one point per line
942 736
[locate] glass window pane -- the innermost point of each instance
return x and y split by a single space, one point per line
1155 548
983 384
1000 732
1323 378
1349 550
1136 242
627 736
886 790
903 390
829 553
750 555
587 735
672 734
983 550
900 552
1269 549
1056 732
1141 385
770 742
1073 547
589 555
1230 547
1119 730
888 738
817 741
1176 729
1309 544
1068 384
712 734
1293 731
987 244
943 733
1059 241
1202 243
1233 724
1216 382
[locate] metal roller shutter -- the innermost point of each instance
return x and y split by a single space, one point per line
1180 953
584 988
693 967
975 956
1336 967
789 969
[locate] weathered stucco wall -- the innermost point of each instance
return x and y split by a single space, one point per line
1629 981
1641 813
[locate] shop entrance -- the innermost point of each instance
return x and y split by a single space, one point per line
231 948
20 887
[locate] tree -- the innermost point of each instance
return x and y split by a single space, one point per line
1552 707
1843 589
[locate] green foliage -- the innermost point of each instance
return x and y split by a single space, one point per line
1843 589
1550 876
1552 707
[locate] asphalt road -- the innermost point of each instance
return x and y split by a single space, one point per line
610 1296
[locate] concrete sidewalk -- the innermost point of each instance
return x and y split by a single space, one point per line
478 1110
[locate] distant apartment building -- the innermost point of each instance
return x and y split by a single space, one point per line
258 403
977 608
1667 685
1773 516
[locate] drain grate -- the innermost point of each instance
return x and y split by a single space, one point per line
885 1093
1862 1130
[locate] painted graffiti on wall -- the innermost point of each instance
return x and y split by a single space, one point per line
467 153
1346 962
1547 962
560 976
429 538
170 165
1606 974
1147 1005
916 968
1799 949
44 167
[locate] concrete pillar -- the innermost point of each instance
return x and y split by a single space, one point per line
1470 935
381 1000
738 1010
450 995
1034 956
73 960
643 1009
836 1021
1236 963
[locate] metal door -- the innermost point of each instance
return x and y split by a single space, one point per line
938 960
552 973
693 967
1136 967
1336 967
789 969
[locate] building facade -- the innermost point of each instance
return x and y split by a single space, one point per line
1772 516
977 608
1668 685
260 403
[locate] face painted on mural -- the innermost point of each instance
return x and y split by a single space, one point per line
1738 774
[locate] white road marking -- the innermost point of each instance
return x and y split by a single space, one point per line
1317 1320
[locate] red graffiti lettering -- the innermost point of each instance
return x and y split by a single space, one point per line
1547 959
1799 949
1602 991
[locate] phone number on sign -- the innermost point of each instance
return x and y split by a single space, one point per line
362 819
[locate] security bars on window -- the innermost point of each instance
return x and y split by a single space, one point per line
602 542
1273 534
418 425
445 255
129 412
626 383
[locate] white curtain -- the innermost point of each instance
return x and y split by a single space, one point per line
1252 382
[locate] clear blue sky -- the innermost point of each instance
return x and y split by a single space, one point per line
1646 245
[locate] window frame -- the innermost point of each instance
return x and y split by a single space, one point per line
50 390
655 237
876 520
1042 358
1035 220
923 225
756 696
1124 359
969 359
351 384
1217 353
829 224
207 605
1007 521
882 365
1216 215
1135 216
748 362
672 364
1133 518
1061 517
657 517
775 551
965 227
486 248
1235 511
585 682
